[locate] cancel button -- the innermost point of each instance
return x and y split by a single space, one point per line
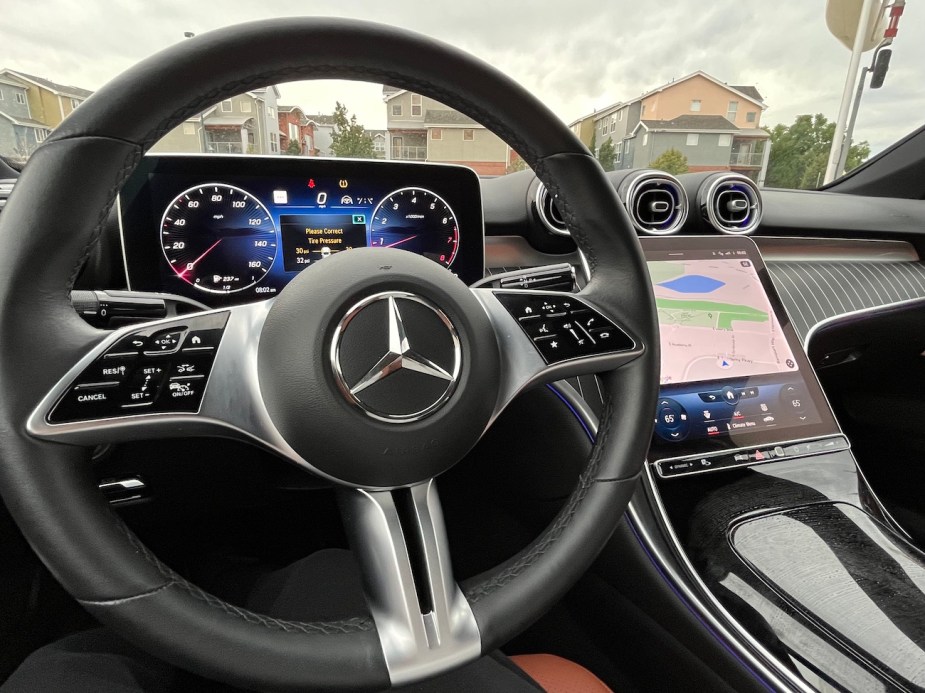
86 402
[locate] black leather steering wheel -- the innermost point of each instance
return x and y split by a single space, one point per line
276 359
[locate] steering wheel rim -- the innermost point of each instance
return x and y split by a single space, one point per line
76 175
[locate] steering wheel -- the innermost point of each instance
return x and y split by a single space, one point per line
376 369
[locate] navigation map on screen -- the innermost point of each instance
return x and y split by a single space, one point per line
716 321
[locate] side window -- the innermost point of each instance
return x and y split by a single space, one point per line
693 139
416 105
396 109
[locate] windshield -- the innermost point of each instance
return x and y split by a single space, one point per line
756 88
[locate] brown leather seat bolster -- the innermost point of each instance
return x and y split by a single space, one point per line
558 675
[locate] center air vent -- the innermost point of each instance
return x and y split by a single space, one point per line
548 212
732 204
656 202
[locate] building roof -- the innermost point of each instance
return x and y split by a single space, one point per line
62 89
390 92
12 83
289 109
447 117
26 122
746 92
750 92
377 133
691 122
320 119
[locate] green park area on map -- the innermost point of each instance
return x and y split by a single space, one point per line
699 313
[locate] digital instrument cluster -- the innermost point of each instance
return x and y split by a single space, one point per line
231 229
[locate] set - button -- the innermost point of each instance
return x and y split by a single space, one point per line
563 327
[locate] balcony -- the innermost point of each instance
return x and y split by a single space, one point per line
746 158
410 153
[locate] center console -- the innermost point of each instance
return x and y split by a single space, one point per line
752 499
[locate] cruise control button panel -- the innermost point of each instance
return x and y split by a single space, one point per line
563 327
155 370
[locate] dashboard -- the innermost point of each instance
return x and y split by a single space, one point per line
224 230
736 388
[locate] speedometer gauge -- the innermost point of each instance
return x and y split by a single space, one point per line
418 220
218 238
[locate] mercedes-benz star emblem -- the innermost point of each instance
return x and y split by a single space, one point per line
405 374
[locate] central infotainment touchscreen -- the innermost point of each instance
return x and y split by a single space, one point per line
733 373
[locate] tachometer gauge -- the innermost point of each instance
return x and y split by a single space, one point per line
218 238
418 220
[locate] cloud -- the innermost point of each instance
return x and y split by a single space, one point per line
575 56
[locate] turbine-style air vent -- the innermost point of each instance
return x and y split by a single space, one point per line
732 204
656 202
548 212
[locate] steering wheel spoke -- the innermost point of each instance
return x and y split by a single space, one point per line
547 336
188 376
424 622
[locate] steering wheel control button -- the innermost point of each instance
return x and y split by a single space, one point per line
144 386
110 370
131 377
127 347
563 328
165 342
191 366
87 402
396 356
183 394
201 341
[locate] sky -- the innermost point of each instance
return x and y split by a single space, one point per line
576 56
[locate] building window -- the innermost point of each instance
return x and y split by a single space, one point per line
643 111
274 147
436 133
750 116
695 105
271 112
40 134
733 109
613 123
693 139
20 97
1 94
645 139
416 107
468 135
396 109
245 107
619 152
226 106
725 140
75 103
620 115
189 129
605 127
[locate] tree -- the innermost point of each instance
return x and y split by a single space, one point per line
671 161
593 145
294 148
800 152
349 137
607 155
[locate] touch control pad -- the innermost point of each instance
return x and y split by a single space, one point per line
563 327
159 369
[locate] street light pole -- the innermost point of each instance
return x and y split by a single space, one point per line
202 122
838 139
